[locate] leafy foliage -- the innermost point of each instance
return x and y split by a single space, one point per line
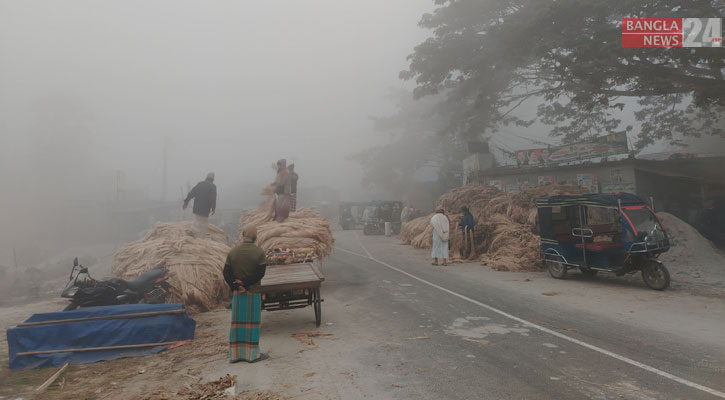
490 56
417 138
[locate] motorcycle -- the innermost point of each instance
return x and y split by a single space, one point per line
84 291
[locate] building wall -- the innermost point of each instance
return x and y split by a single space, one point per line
679 196
608 178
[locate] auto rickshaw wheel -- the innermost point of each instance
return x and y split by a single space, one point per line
556 268
655 275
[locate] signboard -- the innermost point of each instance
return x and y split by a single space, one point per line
546 179
628 187
671 32
497 183
587 183
601 146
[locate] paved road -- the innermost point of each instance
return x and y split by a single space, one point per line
447 333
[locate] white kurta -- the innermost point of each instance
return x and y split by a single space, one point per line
441 232
200 226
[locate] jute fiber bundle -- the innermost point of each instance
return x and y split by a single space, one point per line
418 233
305 231
509 245
195 265
506 224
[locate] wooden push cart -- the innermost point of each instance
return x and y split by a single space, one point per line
293 286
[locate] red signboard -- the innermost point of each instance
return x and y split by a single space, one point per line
671 32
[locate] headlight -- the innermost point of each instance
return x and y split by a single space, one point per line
71 291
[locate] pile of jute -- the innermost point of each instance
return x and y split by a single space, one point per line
506 224
305 232
195 265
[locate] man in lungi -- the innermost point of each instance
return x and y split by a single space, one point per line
293 181
282 188
243 271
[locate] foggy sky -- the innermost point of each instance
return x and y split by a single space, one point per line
235 85
88 88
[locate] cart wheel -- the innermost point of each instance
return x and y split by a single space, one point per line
588 272
655 275
556 269
317 304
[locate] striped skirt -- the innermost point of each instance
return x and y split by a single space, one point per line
293 202
244 334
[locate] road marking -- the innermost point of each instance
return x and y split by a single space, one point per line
522 321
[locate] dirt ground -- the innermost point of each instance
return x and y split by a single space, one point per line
167 375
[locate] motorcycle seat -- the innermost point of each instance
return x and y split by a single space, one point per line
146 279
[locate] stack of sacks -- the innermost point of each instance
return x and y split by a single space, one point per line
195 265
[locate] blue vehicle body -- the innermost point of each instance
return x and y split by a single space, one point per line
616 233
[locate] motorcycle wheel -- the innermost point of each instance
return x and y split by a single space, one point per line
655 275
70 307
557 270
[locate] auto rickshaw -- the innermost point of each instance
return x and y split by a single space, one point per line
380 212
616 233
351 214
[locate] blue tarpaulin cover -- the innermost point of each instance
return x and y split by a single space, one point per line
161 328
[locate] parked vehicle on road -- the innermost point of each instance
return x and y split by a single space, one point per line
379 212
84 291
350 214
616 233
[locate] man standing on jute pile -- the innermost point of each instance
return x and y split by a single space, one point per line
293 182
283 189
204 195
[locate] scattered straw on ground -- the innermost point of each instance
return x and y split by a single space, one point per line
214 390
195 265
307 337
305 231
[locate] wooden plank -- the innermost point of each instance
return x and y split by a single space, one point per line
280 278
297 278
317 272
126 346
286 287
120 316
52 379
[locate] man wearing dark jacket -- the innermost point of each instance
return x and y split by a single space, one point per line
243 271
204 195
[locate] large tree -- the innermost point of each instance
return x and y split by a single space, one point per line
490 56
416 137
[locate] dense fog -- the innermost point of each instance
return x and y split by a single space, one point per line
92 92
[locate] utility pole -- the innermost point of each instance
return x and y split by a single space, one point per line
15 260
166 156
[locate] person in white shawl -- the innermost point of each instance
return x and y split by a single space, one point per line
441 234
